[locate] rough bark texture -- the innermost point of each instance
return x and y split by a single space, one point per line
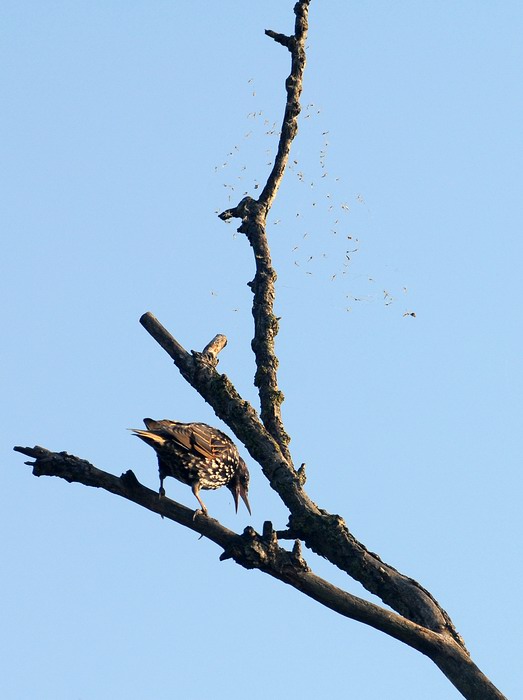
263 552
416 618
253 214
324 533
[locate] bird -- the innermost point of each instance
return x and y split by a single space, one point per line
197 455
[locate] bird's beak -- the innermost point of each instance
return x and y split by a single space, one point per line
239 490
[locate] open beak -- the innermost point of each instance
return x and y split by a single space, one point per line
239 490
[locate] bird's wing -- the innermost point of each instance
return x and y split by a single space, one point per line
207 441
198 438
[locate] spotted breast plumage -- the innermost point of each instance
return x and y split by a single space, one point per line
198 455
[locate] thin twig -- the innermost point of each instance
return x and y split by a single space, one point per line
293 85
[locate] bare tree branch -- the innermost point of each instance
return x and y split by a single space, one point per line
251 550
418 621
293 85
324 533
214 347
253 214
262 552
253 225
227 403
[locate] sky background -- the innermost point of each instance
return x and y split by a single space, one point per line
126 126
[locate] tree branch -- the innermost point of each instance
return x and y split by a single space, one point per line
262 552
324 533
294 83
253 214
251 550
227 403
419 620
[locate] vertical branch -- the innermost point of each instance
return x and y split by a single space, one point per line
253 214
265 331
293 85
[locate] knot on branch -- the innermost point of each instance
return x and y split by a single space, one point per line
254 551
324 519
302 476
246 210
269 533
209 355
298 557
129 480
290 83
287 41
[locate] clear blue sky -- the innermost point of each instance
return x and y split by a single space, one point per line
125 127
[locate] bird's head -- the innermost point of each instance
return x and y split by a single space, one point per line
239 485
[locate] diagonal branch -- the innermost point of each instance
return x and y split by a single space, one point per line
199 369
324 533
262 552
250 549
253 214
418 620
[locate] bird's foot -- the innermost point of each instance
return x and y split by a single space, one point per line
161 494
200 511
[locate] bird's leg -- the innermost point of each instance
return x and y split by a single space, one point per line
161 492
196 490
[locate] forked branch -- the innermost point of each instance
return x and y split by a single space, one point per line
418 620
324 533
253 214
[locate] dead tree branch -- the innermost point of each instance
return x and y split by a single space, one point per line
254 551
324 533
418 620
294 83
251 550
253 214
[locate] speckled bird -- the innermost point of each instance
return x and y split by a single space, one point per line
198 455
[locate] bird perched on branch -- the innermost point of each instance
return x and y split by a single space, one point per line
198 455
